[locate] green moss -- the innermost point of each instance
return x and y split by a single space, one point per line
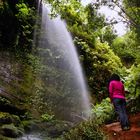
10 130
5 138
3 114
29 124
16 120
4 101
5 118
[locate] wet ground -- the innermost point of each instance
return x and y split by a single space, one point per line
115 132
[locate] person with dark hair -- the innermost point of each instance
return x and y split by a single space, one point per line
117 96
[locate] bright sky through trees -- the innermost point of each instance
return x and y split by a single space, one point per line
119 27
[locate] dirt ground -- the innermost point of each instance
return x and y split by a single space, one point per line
115 132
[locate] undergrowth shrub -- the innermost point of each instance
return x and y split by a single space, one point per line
88 130
132 85
104 112
91 129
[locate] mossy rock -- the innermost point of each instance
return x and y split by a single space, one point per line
52 129
6 138
6 118
30 125
56 128
4 101
16 120
9 130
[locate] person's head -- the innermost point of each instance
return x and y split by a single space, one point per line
115 77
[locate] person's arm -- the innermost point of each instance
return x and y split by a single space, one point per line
123 90
111 91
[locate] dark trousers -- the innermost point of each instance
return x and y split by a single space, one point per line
120 108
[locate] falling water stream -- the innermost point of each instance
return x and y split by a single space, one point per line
57 40
57 51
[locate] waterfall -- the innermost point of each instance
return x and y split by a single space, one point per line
64 81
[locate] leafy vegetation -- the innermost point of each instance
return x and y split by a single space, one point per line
102 113
16 28
86 131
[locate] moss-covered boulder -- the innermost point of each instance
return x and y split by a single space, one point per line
6 118
5 138
10 130
56 128
30 125
6 105
50 129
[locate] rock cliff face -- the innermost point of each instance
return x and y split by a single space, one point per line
14 73
12 104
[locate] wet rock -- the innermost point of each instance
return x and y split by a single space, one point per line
5 118
9 130
57 128
30 125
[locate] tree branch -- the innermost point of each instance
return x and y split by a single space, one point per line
132 20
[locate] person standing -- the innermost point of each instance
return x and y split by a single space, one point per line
117 96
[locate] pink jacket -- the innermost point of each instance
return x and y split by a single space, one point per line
116 89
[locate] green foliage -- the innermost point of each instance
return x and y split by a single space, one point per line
103 112
83 22
25 17
99 62
107 34
128 10
34 62
126 48
107 57
132 80
38 102
98 25
76 17
46 117
78 32
95 20
5 116
70 10
132 9
4 101
132 85
25 13
88 130
16 27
